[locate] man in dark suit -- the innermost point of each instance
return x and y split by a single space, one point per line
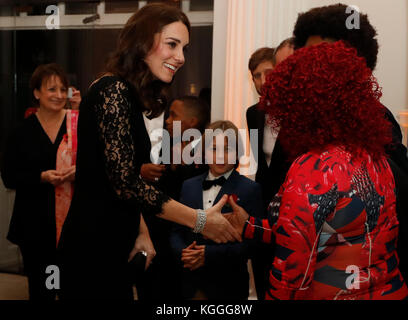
272 165
272 168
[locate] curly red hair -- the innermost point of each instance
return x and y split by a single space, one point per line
326 95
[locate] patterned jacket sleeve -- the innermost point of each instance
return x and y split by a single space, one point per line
307 196
113 116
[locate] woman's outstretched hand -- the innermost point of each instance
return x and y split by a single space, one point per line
238 217
217 227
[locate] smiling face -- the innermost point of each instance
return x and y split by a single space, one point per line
167 54
52 95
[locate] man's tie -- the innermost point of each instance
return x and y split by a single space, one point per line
207 184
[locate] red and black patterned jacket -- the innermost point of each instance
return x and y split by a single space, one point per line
336 230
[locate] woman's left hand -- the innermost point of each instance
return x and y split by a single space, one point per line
143 243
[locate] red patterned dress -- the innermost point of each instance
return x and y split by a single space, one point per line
336 230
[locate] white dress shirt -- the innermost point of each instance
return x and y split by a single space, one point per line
210 194
154 128
269 140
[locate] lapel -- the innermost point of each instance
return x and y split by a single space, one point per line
228 186
198 191
261 126
260 118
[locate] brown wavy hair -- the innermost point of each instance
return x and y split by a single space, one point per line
135 41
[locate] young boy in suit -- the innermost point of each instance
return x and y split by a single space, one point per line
211 270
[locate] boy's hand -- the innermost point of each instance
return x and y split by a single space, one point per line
193 256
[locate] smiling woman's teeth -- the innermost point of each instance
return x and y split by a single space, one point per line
170 66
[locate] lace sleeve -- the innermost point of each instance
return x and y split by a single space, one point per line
113 116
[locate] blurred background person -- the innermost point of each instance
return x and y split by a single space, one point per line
283 50
73 102
39 162
271 165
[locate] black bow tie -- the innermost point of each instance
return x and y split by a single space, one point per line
207 184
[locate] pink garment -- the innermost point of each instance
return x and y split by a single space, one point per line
66 158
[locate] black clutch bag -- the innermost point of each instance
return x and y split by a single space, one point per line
137 267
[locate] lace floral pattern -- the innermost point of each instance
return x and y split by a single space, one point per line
113 115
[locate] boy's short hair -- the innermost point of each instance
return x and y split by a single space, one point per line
197 107
224 126
259 56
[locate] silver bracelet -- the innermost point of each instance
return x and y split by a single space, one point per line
200 222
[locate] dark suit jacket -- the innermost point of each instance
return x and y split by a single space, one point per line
225 272
401 186
397 151
269 177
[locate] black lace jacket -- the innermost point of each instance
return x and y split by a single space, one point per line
109 195
113 115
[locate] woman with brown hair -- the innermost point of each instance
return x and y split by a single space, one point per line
40 164
104 222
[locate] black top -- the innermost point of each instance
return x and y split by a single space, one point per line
103 221
396 151
29 151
